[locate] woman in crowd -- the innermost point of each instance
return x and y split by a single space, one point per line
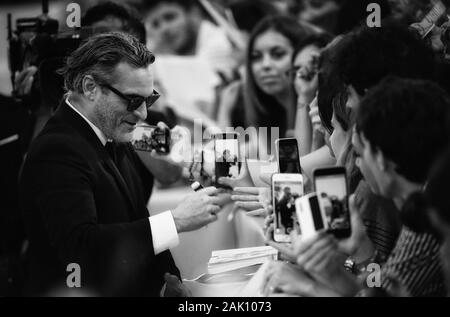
266 97
305 68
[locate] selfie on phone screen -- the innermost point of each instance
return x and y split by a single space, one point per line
285 191
226 156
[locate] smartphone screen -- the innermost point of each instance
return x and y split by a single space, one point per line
332 182
288 157
286 188
142 138
226 149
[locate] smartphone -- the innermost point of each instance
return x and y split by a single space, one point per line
286 188
226 151
288 156
331 183
310 212
148 138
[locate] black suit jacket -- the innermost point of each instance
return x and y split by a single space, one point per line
80 207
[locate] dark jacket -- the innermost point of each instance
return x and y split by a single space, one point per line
80 207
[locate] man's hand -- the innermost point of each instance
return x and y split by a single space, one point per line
314 252
174 287
255 200
319 257
198 210
286 252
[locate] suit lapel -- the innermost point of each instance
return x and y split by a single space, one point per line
109 164
86 131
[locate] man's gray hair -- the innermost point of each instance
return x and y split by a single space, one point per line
99 56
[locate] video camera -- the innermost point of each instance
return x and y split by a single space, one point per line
37 39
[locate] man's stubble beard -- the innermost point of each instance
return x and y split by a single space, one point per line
106 120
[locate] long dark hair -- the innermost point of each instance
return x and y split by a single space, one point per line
346 117
262 109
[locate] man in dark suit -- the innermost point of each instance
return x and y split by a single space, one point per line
286 208
84 190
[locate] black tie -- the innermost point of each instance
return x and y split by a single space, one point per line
110 147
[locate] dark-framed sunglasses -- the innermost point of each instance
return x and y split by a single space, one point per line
134 102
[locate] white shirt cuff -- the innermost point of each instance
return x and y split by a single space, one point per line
164 232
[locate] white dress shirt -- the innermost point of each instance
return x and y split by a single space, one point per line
162 225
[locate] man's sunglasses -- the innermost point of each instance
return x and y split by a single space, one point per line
134 102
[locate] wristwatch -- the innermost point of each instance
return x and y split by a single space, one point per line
359 268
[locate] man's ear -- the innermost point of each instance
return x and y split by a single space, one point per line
90 87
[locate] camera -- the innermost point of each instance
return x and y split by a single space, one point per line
148 138
322 212
36 40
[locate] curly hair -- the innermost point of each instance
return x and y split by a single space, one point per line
407 120
371 54
364 57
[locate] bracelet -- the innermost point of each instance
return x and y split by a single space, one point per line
357 268
302 105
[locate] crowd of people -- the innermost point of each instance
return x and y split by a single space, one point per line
373 99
